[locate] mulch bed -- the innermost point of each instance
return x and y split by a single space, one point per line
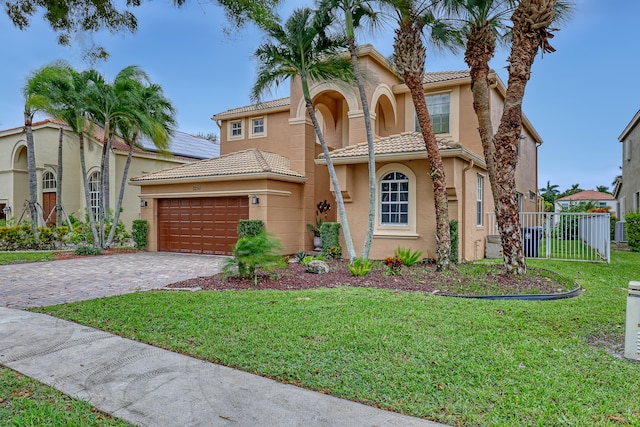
418 278
71 255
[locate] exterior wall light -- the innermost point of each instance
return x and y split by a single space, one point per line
255 200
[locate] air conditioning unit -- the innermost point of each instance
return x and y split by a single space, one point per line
620 234
632 331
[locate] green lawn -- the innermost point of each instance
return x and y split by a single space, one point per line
457 361
20 257
26 402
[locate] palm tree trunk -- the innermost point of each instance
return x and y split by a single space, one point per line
33 177
125 172
479 51
410 56
531 20
370 149
346 232
59 180
87 196
104 186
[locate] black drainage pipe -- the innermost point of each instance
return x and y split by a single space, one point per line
525 297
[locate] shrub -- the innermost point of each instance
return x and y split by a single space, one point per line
307 259
453 230
407 256
140 233
253 253
612 226
394 265
87 250
633 230
330 235
361 267
250 228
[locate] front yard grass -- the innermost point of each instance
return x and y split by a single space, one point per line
26 402
23 257
457 361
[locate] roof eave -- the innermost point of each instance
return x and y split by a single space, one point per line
404 156
632 124
252 113
220 178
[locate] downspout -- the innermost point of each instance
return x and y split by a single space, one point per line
462 231
539 205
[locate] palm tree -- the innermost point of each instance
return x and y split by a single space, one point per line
409 56
153 116
354 12
35 100
108 103
550 192
483 26
68 103
301 49
603 189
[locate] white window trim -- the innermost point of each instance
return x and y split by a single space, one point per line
479 200
408 230
55 182
262 134
230 135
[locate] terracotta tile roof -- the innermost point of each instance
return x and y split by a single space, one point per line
587 195
266 105
443 76
247 162
409 142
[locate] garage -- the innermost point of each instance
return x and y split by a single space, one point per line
203 225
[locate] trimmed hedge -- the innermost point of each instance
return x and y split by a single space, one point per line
140 233
250 228
330 236
633 230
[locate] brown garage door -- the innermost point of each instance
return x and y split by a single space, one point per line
206 225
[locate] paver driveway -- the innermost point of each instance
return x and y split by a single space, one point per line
56 282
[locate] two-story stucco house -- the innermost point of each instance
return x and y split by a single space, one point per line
14 179
271 169
627 190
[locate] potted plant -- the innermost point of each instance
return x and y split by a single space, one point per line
315 230
322 208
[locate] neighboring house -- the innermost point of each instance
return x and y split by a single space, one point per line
627 190
271 169
598 199
14 180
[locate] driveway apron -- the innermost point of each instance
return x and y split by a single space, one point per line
57 282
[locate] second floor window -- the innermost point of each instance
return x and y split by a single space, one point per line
236 129
438 106
257 126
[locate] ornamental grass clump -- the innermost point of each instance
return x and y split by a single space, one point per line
250 254
407 256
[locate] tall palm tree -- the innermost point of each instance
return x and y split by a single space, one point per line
532 21
69 103
108 103
355 11
301 49
483 26
603 189
550 192
34 92
409 54
153 116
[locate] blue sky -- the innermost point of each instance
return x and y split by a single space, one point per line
579 98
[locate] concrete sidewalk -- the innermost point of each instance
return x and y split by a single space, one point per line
148 386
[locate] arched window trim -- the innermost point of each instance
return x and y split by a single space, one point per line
49 181
407 230
94 191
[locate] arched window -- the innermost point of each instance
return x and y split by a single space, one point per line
394 199
48 181
94 191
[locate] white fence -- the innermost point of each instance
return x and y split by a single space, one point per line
576 236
